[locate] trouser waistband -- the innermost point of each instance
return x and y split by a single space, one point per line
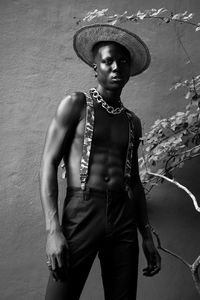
93 191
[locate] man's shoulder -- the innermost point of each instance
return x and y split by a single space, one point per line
71 106
75 99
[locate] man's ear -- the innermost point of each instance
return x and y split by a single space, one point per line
95 70
95 67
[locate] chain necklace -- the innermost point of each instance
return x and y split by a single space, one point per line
108 108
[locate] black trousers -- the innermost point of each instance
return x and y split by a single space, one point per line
104 223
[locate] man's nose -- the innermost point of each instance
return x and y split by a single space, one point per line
115 66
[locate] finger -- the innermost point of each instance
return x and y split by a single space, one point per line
146 273
53 263
153 262
158 260
157 263
48 262
150 267
59 260
152 271
147 270
55 276
49 267
48 258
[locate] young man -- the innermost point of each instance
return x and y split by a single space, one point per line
97 137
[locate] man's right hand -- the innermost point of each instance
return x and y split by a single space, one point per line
57 253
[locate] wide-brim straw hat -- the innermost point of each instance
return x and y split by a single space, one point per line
86 37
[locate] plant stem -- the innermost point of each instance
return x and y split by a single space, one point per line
193 268
180 186
170 18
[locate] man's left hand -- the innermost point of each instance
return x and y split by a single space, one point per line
152 256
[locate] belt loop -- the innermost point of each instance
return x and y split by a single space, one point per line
86 193
130 193
108 195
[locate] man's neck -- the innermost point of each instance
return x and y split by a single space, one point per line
112 97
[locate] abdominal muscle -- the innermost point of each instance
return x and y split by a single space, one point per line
106 170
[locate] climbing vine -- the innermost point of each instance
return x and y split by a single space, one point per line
161 14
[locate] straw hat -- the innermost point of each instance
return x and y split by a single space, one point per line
86 37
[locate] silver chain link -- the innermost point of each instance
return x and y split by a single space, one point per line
108 108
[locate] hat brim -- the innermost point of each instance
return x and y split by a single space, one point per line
86 37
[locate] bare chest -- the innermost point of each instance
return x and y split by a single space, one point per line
110 130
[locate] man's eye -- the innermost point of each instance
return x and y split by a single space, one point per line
123 61
107 61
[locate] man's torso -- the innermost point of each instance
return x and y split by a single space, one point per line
108 152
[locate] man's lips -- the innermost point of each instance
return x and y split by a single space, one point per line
116 78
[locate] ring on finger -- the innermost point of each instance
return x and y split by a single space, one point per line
49 264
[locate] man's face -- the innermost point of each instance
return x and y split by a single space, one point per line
113 65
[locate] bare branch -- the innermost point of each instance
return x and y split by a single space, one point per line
179 186
193 268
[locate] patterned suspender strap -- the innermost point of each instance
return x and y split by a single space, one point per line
129 155
87 141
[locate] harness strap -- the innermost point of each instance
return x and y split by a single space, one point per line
129 156
87 141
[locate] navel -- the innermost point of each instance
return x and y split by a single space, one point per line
106 178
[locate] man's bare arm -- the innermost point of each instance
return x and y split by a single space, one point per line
138 191
152 255
65 120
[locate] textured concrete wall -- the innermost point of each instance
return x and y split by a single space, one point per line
38 67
